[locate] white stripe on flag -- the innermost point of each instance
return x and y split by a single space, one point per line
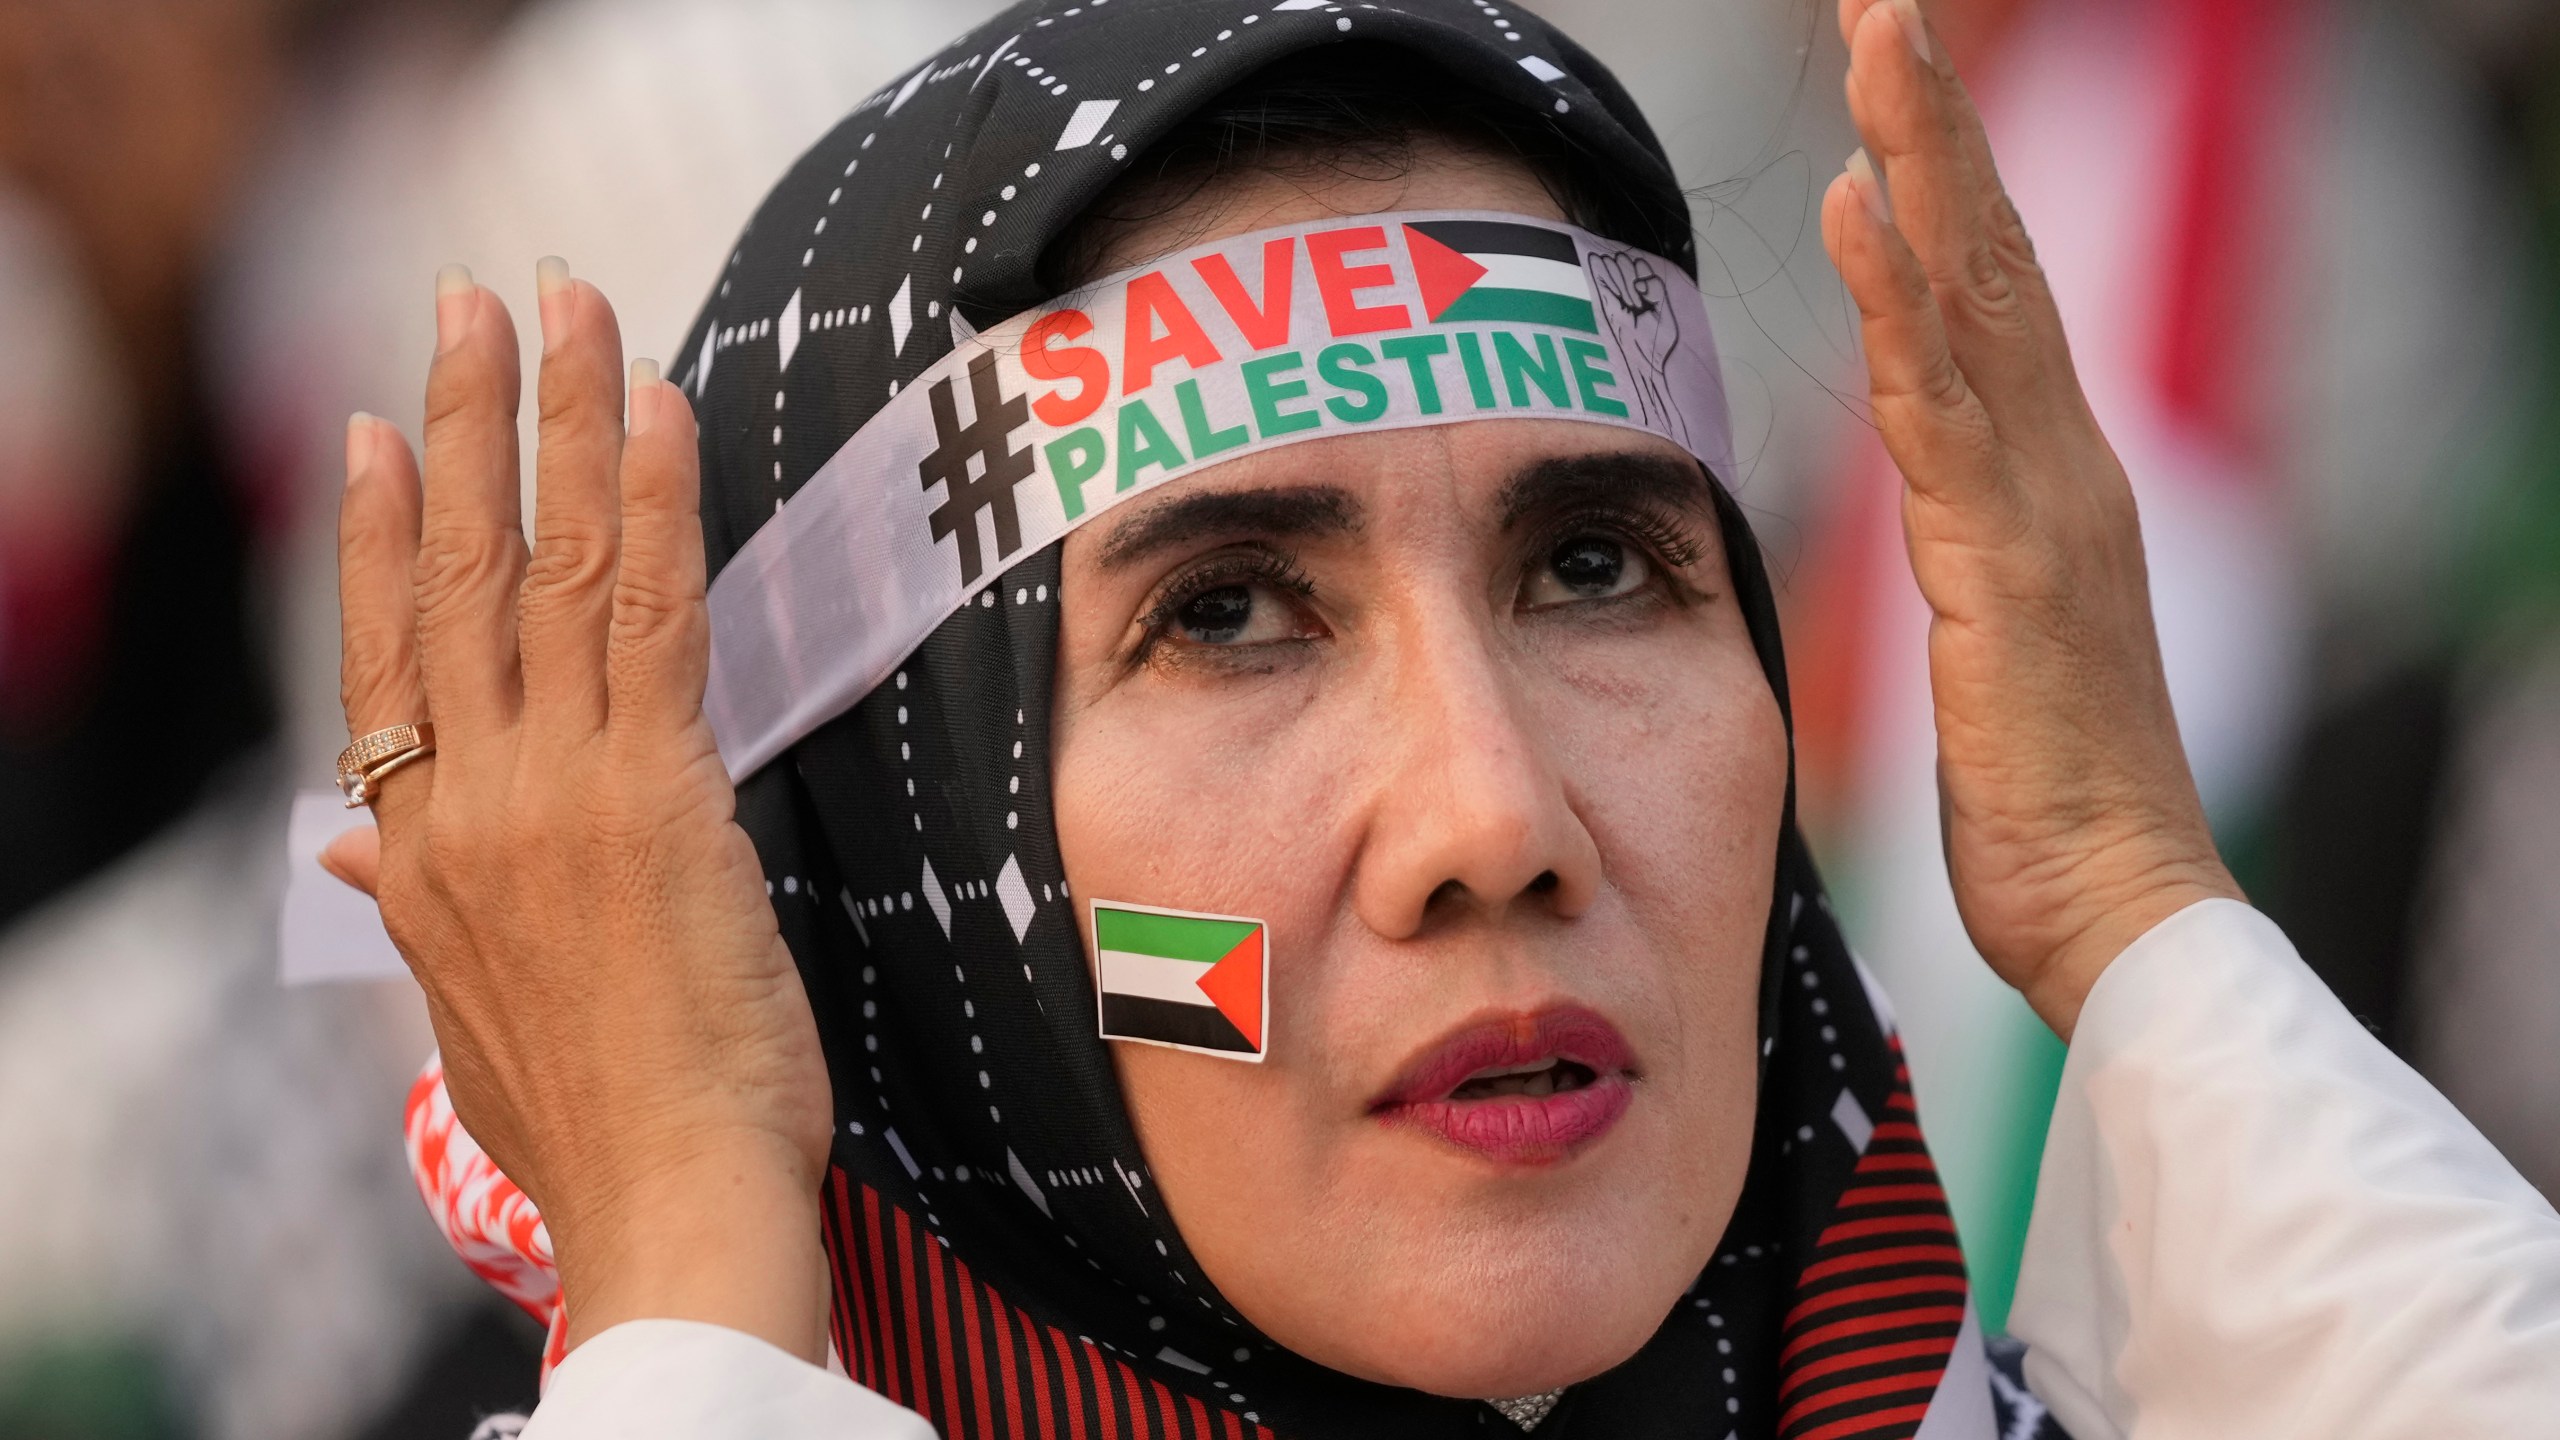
1533 272
1153 977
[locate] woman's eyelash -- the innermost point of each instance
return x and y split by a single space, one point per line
1256 564
1673 542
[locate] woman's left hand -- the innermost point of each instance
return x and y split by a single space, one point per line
2072 823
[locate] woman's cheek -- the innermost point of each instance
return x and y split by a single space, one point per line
1676 756
1219 780
1679 770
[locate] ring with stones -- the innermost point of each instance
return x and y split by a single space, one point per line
362 765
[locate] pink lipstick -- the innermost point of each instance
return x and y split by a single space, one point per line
1519 1089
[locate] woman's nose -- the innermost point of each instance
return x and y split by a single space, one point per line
1470 814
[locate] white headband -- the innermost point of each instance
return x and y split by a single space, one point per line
1041 423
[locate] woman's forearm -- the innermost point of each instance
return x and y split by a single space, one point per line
727 1235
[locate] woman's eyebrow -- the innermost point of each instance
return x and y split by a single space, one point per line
1297 511
1566 482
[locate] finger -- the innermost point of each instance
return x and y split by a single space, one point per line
2004 227
1904 103
1932 422
355 857
1849 13
378 518
577 521
660 653
471 541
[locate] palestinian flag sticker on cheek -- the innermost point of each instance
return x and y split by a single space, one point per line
1183 979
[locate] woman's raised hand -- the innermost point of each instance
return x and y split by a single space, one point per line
2072 824
622 1026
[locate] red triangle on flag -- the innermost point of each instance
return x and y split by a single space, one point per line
1444 274
1234 985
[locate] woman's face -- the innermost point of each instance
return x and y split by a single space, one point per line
1469 716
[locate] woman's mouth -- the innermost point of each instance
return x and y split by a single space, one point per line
1520 1089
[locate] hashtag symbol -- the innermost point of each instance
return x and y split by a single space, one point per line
983 440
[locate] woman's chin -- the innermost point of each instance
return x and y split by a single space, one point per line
1483 1347
1521 1315
1435 1271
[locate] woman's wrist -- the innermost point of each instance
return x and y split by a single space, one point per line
2057 989
726 1232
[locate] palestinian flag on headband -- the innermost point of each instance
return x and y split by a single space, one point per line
1171 977
1493 270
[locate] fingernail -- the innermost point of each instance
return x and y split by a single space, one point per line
1870 186
454 295
644 395
1906 13
551 285
359 445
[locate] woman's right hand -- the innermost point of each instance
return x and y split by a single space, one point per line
622 1027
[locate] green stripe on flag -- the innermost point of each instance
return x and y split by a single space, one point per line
1522 307
1175 937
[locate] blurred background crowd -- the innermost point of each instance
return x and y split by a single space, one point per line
2309 251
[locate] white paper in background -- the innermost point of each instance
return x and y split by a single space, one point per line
332 931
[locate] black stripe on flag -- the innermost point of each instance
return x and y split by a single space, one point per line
1135 1017
1500 237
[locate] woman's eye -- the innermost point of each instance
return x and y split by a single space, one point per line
1586 567
1243 613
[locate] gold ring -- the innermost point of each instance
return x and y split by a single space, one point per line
362 765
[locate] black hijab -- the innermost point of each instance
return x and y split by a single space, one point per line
1001 1260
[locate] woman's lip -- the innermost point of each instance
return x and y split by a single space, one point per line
1495 1042
1521 1129
1516 1128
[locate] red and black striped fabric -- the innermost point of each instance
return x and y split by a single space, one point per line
908 1315
1881 1299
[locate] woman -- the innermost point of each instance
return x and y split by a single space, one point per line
1357 639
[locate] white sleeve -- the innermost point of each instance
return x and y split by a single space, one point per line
2254 1220
685 1380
